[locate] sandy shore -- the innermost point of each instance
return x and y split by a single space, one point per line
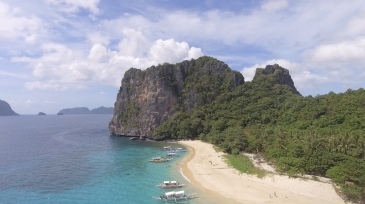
205 168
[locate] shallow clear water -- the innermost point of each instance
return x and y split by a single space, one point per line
72 159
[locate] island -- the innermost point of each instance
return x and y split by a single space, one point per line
317 137
102 110
41 113
77 110
5 109
84 110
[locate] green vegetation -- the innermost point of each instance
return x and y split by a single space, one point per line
244 165
322 135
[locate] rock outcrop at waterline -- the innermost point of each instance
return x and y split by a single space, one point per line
5 109
148 98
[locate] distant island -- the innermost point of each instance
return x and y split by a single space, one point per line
102 110
84 110
5 109
41 113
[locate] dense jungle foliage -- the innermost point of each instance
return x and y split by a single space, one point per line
322 135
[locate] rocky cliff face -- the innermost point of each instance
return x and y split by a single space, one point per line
277 74
5 109
148 98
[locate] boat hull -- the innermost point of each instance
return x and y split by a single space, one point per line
167 187
186 197
160 161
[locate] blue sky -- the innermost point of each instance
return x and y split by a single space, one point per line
57 54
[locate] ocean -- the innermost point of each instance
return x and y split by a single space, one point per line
73 159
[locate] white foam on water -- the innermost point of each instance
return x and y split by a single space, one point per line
182 174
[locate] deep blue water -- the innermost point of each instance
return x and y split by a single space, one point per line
73 159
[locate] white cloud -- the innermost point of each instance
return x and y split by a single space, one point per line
29 101
194 53
44 86
340 62
14 75
134 43
298 27
98 38
74 6
303 78
171 51
61 68
98 53
249 72
274 5
58 62
345 51
356 25
51 85
14 26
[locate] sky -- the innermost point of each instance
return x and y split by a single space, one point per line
57 54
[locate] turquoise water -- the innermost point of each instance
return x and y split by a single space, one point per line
73 159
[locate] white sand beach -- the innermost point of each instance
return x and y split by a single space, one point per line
205 168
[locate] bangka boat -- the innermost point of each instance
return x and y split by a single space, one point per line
133 138
159 159
180 150
170 154
170 184
174 195
176 150
168 148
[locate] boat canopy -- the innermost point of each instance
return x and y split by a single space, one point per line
179 192
173 181
170 193
166 182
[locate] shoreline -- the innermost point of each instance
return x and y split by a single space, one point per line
205 168
189 176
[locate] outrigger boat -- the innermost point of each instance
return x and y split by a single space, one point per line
159 159
180 150
170 184
170 154
168 148
174 195
176 150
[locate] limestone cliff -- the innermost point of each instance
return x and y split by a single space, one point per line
277 75
5 109
149 97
